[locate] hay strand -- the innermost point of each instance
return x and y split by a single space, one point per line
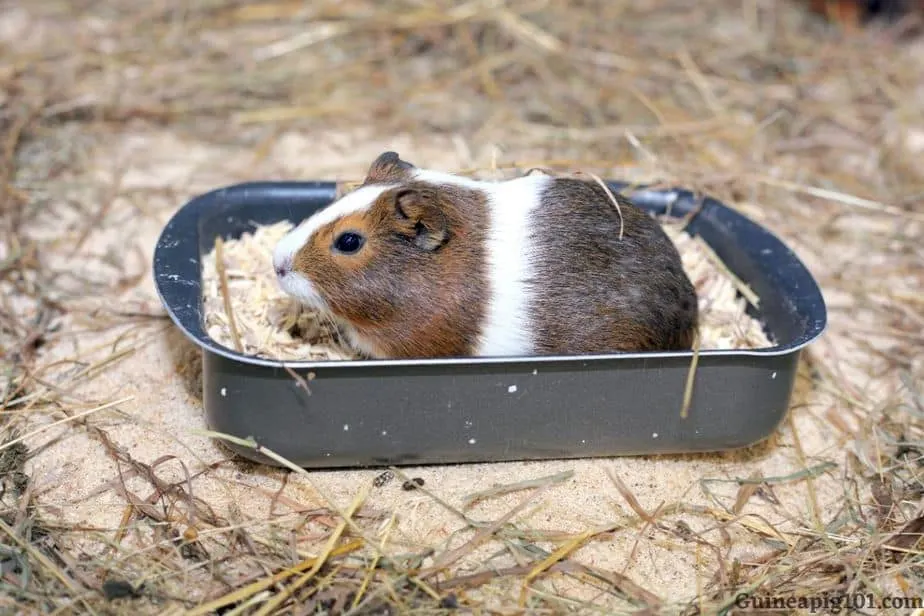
253 589
741 287
613 200
68 419
807 128
288 591
225 296
471 499
690 380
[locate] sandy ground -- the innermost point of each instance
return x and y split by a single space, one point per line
74 475
135 177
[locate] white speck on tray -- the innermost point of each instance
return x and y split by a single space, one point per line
468 423
535 371
471 441
384 432
773 376
346 427
224 392
654 435
512 389
583 441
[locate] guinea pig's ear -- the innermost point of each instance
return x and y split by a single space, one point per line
420 219
388 167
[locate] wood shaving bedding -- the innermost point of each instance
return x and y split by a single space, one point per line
270 323
273 325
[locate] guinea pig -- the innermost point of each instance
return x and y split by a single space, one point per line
418 263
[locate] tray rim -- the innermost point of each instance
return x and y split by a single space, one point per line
188 210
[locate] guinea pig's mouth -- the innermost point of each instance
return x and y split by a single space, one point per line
300 288
292 282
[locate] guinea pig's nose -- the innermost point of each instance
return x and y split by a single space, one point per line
281 270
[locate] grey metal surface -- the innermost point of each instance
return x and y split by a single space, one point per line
371 413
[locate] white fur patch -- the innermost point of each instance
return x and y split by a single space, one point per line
507 329
357 201
303 290
284 253
441 177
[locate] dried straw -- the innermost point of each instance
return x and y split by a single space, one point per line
817 134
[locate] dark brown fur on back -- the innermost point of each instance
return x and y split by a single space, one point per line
619 295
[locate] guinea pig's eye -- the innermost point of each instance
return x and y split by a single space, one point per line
349 242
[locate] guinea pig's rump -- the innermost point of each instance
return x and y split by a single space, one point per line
612 280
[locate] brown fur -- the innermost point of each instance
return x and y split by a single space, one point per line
628 294
324 239
418 288
388 168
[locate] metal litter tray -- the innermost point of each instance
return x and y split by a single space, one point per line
387 412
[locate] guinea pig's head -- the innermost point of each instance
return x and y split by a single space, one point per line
382 258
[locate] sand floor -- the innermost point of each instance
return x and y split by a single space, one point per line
115 347
155 372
